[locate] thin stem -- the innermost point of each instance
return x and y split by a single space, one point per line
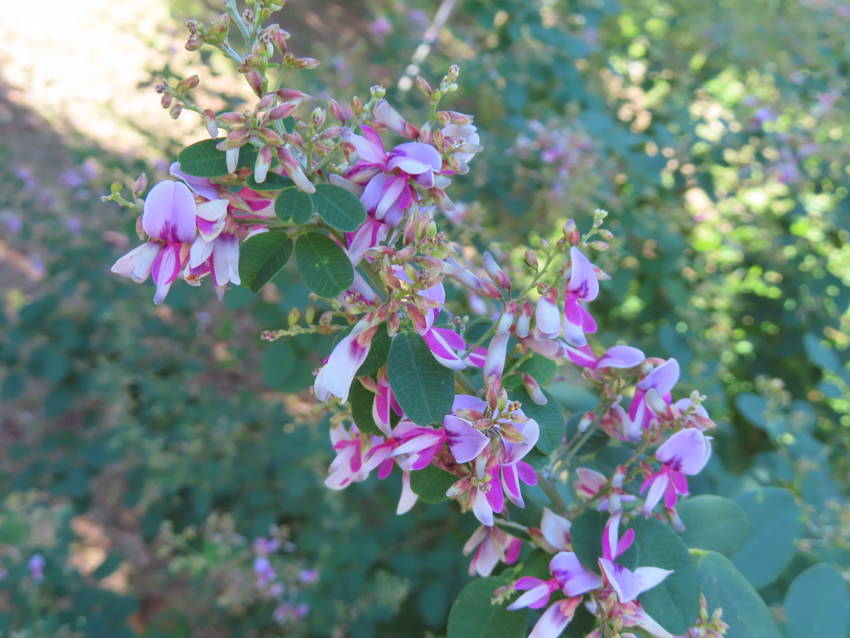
233 10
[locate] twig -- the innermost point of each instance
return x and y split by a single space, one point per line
424 48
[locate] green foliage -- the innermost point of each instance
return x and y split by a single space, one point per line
423 388
714 523
818 604
673 603
743 610
338 207
775 524
295 204
262 256
324 266
203 159
431 483
473 615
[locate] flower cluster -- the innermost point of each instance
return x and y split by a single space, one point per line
454 399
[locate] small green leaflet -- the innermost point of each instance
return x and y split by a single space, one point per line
324 266
262 256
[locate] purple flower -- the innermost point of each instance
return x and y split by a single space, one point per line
683 454
627 584
36 566
348 355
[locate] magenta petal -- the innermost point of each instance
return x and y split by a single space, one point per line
527 474
621 357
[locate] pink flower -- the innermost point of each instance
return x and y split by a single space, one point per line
582 287
661 379
627 584
571 578
684 453
348 464
621 357
555 530
168 219
348 355
491 545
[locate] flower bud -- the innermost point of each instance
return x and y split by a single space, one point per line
288 95
601 246
189 83
317 117
231 157
266 101
531 260
270 136
232 118
454 73
356 105
282 111
392 119
293 170
218 29
255 81
606 234
306 63
523 322
262 164
165 100
293 317
279 37
496 273
337 112
534 390
571 233
507 319
211 124
377 91
194 43
175 110
140 185
422 85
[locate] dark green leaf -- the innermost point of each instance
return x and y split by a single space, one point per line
262 256
273 182
324 266
586 537
725 587
473 616
775 524
423 388
361 400
674 602
431 483
714 523
377 353
203 159
818 604
294 203
338 207
549 417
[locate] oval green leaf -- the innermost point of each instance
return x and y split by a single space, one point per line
714 523
361 400
818 604
262 256
203 159
725 587
549 417
674 602
431 483
775 523
273 182
293 203
338 207
474 616
324 266
423 388
586 538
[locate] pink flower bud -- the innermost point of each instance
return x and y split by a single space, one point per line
293 169
255 81
496 273
534 390
211 124
523 323
261 166
389 117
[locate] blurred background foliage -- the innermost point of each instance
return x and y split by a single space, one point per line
146 450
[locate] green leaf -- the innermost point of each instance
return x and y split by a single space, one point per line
586 537
203 159
714 523
725 587
324 266
817 604
775 523
542 369
273 182
431 483
277 364
361 400
293 203
473 616
338 207
549 417
819 354
109 565
378 352
423 388
262 256
674 602
753 407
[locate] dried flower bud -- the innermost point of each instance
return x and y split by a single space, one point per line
422 85
318 116
175 110
194 43
189 83
165 100
291 94
306 63
531 260
140 185
255 80
218 29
